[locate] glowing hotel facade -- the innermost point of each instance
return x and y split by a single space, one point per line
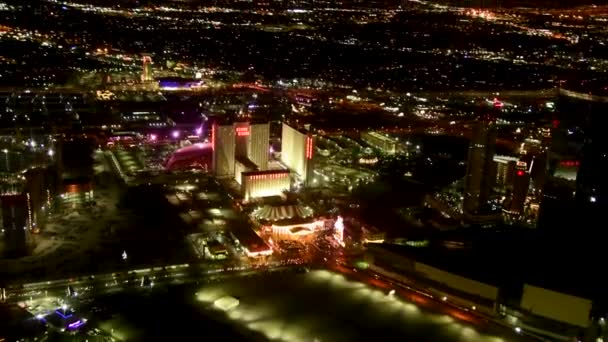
240 151
297 151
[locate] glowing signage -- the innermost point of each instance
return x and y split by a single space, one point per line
75 325
242 131
570 163
309 147
63 314
213 137
269 176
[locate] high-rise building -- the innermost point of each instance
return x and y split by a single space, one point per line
297 149
258 149
242 141
14 223
223 145
505 170
239 140
480 177
146 74
240 151
576 189
521 184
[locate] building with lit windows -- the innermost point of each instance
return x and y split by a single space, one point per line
146 74
297 149
77 193
240 151
519 192
15 223
288 222
267 183
258 144
505 170
28 186
223 145
380 141
576 188
479 178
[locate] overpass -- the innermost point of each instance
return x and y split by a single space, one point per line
541 93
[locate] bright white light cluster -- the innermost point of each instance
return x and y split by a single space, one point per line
264 313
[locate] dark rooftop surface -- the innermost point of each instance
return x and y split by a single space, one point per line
251 166
250 239
510 260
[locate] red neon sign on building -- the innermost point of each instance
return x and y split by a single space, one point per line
308 147
213 137
268 176
242 131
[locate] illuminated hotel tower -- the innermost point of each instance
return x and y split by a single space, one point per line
297 148
258 148
223 145
240 140
479 178
146 68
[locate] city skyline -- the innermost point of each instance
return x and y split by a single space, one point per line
265 170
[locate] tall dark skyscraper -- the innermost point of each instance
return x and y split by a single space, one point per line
576 191
480 177
521 183
14 210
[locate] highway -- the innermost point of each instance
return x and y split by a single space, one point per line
32 294
173 274
411 292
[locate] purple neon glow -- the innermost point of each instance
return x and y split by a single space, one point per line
153 137
199 131
75 325
63 315
175 134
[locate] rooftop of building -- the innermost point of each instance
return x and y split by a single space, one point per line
304 129
247 163
230 121
283 213
509 260
381 136
249 239
267 172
